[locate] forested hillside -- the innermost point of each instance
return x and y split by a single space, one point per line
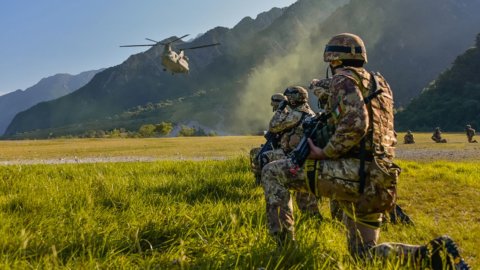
449 102
409 41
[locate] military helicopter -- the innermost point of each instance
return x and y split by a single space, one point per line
174 62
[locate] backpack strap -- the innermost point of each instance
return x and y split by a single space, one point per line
361 171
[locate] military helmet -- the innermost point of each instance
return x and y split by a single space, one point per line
296 95
468 126
345 46
276 99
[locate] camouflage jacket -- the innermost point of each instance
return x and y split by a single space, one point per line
289 123
437 135
470 132
352 117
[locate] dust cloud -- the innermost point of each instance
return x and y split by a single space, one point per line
274 75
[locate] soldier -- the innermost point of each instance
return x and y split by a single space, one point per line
285 125
437 136
408 138
363 137
397 214
275 102
470 133
288 123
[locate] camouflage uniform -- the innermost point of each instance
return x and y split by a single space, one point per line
470 133
408 138
275 101
288 123
437 136
336 174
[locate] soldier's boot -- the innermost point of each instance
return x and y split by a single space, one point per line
444 254
397 215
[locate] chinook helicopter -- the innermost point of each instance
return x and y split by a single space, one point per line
174 62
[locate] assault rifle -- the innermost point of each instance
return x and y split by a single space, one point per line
270 144
272 139
310 127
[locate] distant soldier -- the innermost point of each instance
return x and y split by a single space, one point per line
408 138
470 133
276 99
437 136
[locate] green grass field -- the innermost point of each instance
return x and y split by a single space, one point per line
208 214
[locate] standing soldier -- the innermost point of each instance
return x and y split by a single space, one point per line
275 102
437 136
408 138
361 105
470 133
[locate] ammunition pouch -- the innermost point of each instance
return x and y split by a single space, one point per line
380 192
339 179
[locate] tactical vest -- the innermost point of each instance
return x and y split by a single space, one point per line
291 137
381 138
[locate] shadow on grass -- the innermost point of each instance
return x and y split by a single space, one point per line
203 191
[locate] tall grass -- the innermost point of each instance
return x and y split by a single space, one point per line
203 215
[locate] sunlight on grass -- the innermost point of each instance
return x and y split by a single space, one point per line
204 214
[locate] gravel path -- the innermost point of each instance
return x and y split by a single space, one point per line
436 154
102 160
404 154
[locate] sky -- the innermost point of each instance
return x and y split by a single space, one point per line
39 39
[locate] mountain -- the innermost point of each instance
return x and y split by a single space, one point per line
449 102
229 86
46 89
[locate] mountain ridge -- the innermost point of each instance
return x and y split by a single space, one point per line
240 76
46 89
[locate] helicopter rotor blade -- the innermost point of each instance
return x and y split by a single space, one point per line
151 40
201 46
143 45
177 39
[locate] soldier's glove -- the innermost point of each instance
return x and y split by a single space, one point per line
323 83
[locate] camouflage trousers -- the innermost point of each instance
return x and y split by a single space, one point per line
306 202
338 180
255 164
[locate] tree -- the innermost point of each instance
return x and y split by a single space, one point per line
147 130
164 128
186 131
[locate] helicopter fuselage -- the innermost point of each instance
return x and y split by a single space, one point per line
175 62
172 61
